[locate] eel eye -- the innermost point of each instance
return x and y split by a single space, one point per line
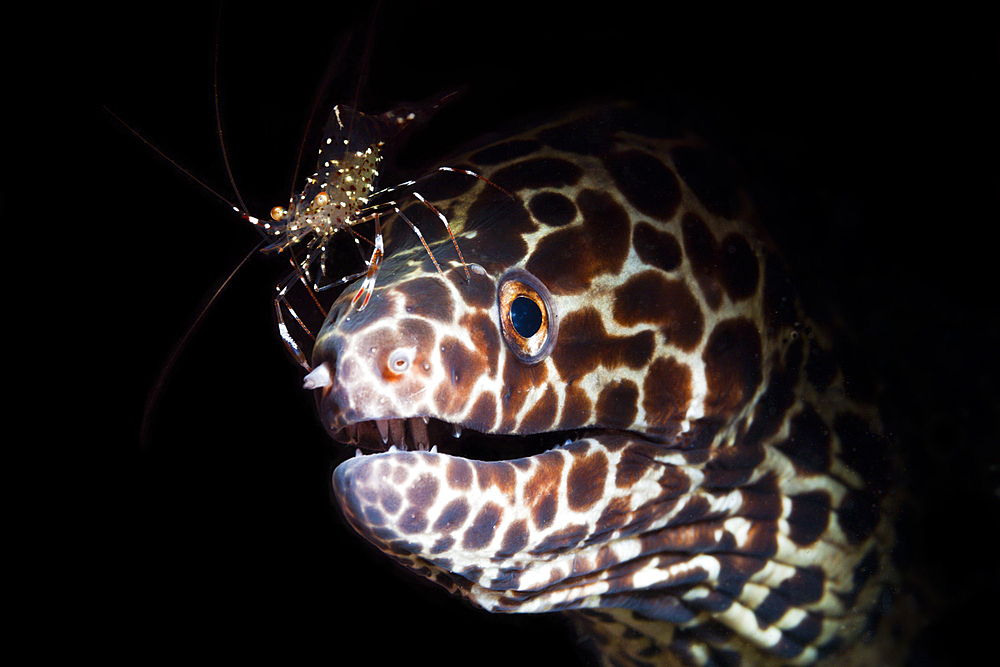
527 318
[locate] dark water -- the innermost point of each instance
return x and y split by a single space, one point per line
224 532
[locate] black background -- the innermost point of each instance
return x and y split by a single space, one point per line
218 538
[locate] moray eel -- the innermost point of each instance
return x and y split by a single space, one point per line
654 437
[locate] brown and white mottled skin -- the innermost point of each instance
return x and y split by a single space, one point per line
719 491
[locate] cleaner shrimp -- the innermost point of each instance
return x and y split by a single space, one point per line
341 194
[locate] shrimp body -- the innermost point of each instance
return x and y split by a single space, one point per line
336 197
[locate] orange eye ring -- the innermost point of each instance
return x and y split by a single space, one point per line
528 320
322 199
277 213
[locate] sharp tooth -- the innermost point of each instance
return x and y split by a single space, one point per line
418 433
393 448
357 453
456 431
434 449
396 433
383 429
426 419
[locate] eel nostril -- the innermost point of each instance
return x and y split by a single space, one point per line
400 360
318 378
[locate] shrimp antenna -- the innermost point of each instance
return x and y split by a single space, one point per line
169 159
334 65
218 115
161 378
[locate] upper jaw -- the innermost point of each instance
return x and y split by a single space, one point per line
356 423
381 434
429 434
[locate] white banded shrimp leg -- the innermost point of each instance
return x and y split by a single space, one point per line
378 253
281 300
281 303
374 264
439 214
372 212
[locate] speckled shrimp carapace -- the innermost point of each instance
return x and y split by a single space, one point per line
674 452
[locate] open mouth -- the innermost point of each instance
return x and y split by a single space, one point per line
434 435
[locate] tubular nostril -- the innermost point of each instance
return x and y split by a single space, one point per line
318 378
400 360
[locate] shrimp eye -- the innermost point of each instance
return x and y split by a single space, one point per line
527 317
322 199
277 213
